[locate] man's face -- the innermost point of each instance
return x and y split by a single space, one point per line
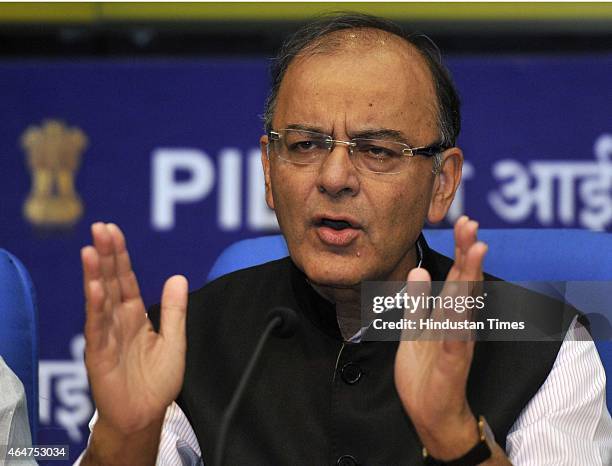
374 86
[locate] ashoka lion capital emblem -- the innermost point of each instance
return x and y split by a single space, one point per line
53 155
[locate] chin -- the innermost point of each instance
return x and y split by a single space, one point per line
337 272
335 282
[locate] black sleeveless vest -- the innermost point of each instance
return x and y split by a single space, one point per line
315 400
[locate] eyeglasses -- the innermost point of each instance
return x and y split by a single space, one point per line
370 155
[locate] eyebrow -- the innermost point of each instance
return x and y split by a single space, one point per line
382 133
314 129
379 133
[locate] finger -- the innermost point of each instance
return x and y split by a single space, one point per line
467 235
95 322
95 298
474 259
92 271
470 272
174 310
462 236
469 285
103 243
128 284
418 286
91 266
458 227
459 281
466 238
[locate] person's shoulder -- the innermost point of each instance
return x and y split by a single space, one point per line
11 388
242 285
244 281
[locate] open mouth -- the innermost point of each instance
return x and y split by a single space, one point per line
337 231
336 224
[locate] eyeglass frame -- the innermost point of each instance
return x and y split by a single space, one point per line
427 151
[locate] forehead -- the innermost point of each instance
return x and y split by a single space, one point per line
367 78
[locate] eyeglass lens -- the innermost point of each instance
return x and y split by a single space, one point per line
374 155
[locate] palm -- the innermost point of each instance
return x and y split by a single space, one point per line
427 376
134 372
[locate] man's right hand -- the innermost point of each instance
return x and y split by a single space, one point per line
134 372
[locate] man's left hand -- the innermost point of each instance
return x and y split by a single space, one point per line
431 375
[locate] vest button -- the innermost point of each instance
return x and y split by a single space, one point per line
351 373
346 460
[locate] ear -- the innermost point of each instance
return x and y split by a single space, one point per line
265 161
445 184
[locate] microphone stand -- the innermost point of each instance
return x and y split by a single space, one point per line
281 320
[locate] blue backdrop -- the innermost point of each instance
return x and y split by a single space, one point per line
172 157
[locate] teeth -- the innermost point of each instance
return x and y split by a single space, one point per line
336 224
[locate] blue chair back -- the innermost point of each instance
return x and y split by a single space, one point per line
18 330
514 254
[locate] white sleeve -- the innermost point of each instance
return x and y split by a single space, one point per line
567 422
14 425
176 429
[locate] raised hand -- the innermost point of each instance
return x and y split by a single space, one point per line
134 372
431 375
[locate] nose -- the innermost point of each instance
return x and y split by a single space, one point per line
338 176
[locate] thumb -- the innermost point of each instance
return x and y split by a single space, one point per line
420 275
418 283
174 309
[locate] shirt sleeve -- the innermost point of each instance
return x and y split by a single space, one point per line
178 444
14 425
567 422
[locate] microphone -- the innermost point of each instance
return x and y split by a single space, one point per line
282 322
286 321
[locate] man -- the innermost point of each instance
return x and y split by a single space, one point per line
359 152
